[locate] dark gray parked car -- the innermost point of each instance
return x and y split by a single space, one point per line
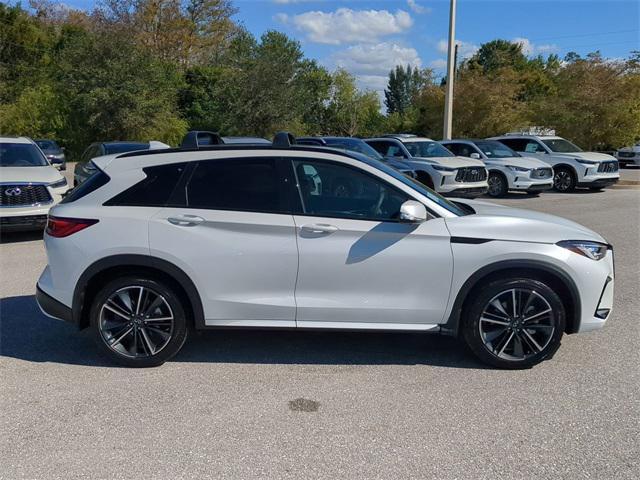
53 152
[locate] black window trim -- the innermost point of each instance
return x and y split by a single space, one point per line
298 193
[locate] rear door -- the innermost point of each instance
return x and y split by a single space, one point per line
359 266
229 227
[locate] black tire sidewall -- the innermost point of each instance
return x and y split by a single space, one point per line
180 328
471 318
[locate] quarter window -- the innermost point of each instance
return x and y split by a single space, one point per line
155 190
244 184
332 190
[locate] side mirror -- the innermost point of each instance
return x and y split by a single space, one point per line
413 212
475 155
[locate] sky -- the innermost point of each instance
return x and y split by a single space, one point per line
369 37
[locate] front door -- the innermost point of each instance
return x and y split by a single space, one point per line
359 266
230 229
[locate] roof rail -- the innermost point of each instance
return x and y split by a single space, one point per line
200 138
283 140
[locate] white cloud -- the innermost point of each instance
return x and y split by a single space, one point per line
416 8
438 64
376 59
529 48
281 18
350 26
465 49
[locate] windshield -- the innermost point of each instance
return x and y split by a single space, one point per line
427 148
354 145
493 149
561 145
21 155
124 147
47 145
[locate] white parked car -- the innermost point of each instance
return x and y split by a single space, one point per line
434 165
571 166
246 236
629 156
508 170
29 185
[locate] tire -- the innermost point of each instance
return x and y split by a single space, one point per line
155 334
498 185
564 180
508 341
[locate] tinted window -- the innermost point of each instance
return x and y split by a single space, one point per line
461 149
534 147
21 155
354 145
517 144
245 184
96 180
493 149
111 148
155 190
333 190
47 144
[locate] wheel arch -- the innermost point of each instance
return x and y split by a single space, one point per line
424 175
107 268
555 277
566 166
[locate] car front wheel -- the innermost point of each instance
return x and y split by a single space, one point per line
497 185
514 323
138 322
564 180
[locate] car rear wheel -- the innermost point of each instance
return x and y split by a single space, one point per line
514 323
138 322
497 185
564 180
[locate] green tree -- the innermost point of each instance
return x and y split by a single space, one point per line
498 54
403 87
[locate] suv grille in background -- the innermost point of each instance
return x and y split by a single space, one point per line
608 167
541 173
626 154
23 195
471 174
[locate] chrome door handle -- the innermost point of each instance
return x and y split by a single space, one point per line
319 228
186 220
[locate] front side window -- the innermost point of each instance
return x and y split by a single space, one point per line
560 145
21 155
534 147
427 148
241 184
332 190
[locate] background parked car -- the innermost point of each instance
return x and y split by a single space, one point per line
84 167
53 152
29 185
571 166
435 166
508 170
359 146
628 156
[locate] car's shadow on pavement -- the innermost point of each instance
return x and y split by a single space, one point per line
15 237
27 334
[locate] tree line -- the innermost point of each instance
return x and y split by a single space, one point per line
149 69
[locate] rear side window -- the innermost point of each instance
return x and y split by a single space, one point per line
155 190
517 144
96 180
242 184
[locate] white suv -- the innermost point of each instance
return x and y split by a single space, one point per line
628 156
508 170
435 166
29 185
572 167
156 242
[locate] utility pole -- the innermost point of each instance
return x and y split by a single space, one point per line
451 68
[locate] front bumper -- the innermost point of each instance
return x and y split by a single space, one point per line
466 192
52 307
599 182
22 223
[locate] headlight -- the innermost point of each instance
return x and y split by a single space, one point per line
443 168
59 183
519 169
586 162
592 250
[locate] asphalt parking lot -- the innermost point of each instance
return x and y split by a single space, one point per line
324 405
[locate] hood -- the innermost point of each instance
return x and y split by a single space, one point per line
593 156
524 162
46 174
496 222
453 162
397 164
